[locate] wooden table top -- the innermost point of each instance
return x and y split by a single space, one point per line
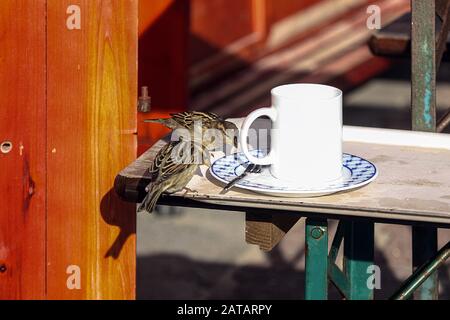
413 182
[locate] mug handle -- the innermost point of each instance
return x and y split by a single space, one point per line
272 114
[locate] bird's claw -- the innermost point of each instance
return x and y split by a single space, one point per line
187 190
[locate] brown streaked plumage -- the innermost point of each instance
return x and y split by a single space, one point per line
208 120
169 174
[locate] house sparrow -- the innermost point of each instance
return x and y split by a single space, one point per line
208 120
172 169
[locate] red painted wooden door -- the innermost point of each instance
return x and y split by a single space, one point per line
69 111
23 151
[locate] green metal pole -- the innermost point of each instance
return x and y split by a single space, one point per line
336 276
423 66
358 257
423 96
316 265
422 274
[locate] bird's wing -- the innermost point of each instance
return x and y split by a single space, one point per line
160 159
183 119
186 119
173 159
205 116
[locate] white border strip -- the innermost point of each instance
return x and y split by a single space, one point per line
395 137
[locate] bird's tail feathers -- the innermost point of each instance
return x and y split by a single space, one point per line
168 122
155 120
149 202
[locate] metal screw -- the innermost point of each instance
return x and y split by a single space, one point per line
317 233
3 268
144 103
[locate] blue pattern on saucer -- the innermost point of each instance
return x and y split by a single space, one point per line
358 172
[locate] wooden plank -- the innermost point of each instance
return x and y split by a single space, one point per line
92 82
393 40
392 196
293 63
267 230
312 15
264 26
22 170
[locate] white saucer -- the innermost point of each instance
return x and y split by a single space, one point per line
357 172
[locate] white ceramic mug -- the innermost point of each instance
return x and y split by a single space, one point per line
306 136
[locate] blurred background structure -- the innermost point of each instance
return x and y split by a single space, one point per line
69 123
225 56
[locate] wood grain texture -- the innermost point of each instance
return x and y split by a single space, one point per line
92 97
258 28
22 171
267 230
345 36
281 9
423 198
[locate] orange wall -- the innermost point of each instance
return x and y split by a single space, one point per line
163 62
